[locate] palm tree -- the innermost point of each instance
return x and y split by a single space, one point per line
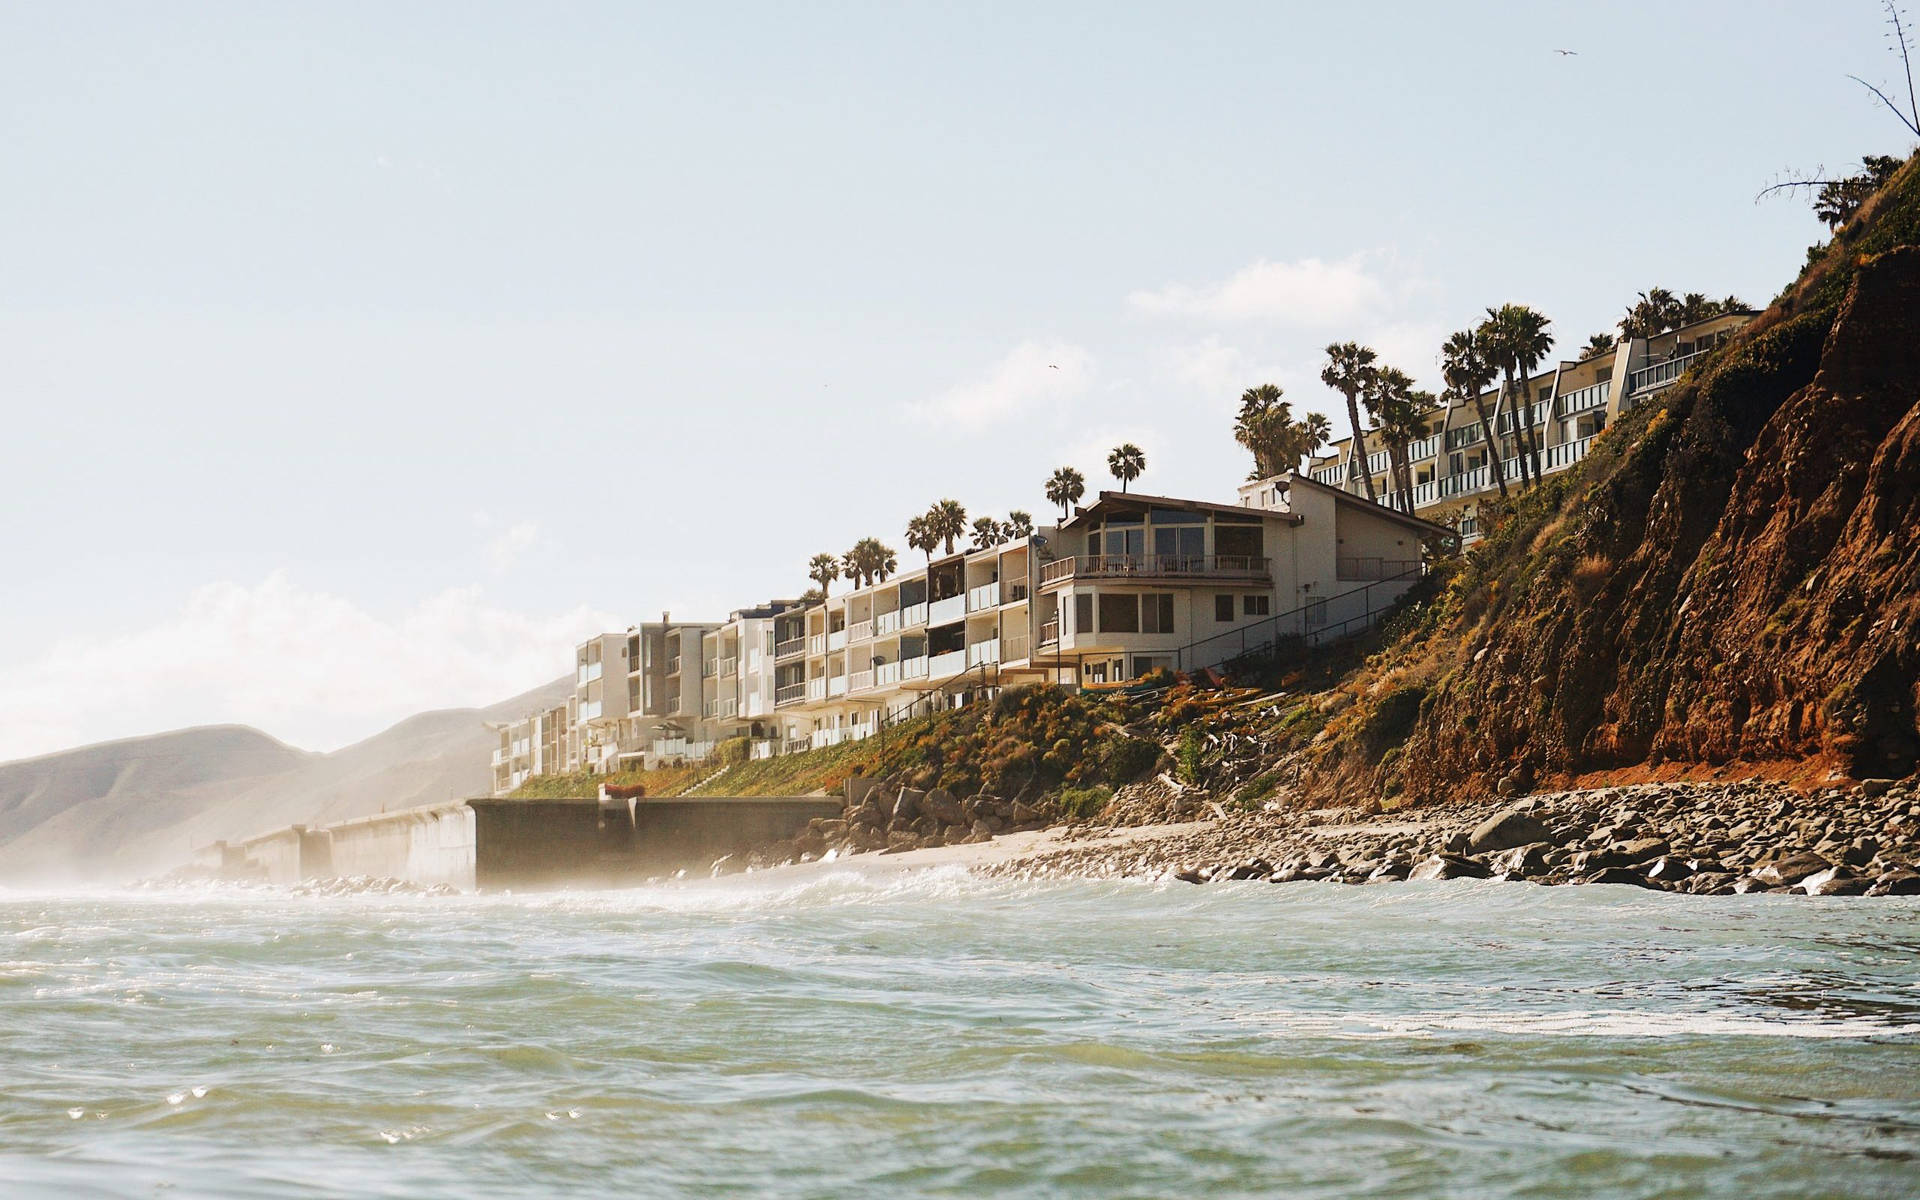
1065 487
920 536
823 570
1348 371
1599 343
1127 462
1019 524
1266 427
1464 365
1398 418
884 561
1516 339
867 561
986 533
947 520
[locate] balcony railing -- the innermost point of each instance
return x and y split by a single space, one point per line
983 652
886 622
1152 566
729 667
914 668
950 609
1332 476
860 681
836 685
1592 396
837 640
860 631
790 693
913 614
588 673
939 666
1016 592
1662 373
1050 632
1361 569
1535 414
885 674
817 687
673 665
817 643
1464 435
723 709
1014 647
987 595
1426 447
1558 458
709 668
791 648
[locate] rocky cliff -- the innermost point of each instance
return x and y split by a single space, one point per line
1733 575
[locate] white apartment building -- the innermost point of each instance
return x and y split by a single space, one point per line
1142 583
1568 407
1131 584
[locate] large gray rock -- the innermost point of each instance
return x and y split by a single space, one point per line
942 806
907 806
1449 866
1792 869
1524 862
1506 829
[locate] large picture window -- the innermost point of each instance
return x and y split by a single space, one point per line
1082 613
1119 612
1156 612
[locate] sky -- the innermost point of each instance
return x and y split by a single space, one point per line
358 359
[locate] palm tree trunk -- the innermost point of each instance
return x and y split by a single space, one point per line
1359 444
1495 467
1404 466
1514 394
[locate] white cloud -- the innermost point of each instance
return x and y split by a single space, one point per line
311 668
1034 378
1217 373
1309 292
505 548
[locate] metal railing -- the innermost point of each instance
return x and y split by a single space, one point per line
1109 566
790 693
1662 373
1359 567
1592 396
1315 623
1050 632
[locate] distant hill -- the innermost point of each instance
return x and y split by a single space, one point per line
125 808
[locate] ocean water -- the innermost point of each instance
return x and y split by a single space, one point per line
857 1035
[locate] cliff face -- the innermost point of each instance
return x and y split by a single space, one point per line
1735 574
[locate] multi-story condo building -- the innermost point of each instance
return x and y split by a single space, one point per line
1566 407
1129 584
1142 583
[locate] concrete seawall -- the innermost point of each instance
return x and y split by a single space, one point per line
497 843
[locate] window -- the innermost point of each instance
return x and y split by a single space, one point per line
1223 609
1238 542
1156 612
1082 613
1147 664
1184 541
1126 541
1256 606
1119 612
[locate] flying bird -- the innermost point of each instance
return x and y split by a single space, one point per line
1569 52
1053 366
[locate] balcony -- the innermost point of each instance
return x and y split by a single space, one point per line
1332 476
1591 396
837 640
817 687
729 667
886 674
987 595
836 685
912 615
860 681
860 631
1464 435
1661 374
983 652
942 611
790 693
722 709
1156 566
941 666
886 623
791 648
673 665
817 643
1016 592
1050 632
913 668
1559 458
709 668
1014 647
1426 447
588 673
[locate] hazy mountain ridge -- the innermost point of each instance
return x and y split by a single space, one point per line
136 805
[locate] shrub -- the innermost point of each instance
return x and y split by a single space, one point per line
1589 574
1085 803
1128 758
734 750
1189 755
